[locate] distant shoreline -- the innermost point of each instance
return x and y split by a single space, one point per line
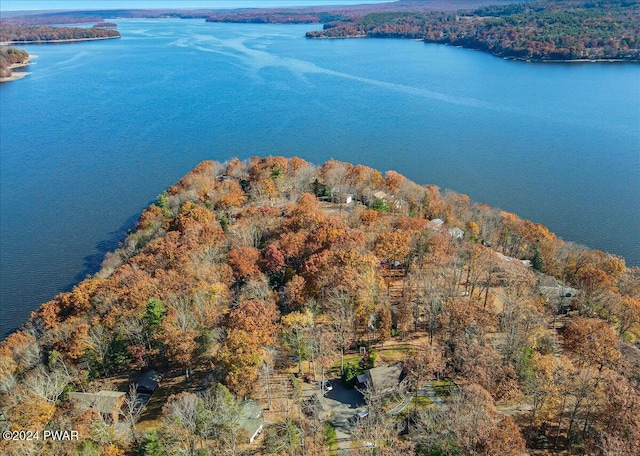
70 40
472 48
15 75
348 37
534 60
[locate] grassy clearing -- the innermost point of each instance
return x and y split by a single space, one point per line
393 354
168 386
416 404
352 358
444 388
331 438
420 402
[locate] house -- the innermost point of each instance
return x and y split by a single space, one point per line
338 196
383 380
107 403
556 293
251 420
148 382
435 224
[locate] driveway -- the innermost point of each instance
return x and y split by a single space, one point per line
339 405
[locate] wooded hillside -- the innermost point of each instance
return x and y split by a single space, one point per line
247 277
544 30
10 56
541 30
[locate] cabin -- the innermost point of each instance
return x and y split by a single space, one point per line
107 403
383 380
251 421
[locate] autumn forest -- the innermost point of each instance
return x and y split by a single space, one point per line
36 34
542 30
258 279
11 57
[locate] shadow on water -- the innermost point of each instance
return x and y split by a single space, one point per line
92 263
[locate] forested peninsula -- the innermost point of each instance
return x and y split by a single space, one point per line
543 30
25 30
10 59
272 306
11 33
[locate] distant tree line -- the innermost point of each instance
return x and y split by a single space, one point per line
106 25
51 19
44 33
266 18
560 30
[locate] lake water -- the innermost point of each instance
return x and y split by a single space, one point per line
99 129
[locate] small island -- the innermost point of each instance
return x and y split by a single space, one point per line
273 306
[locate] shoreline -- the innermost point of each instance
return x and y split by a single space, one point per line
335 37
15 75
70 40
534 60
522 59
486 51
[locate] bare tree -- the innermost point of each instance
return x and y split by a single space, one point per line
48 384
28 355
429 301
286 435
220 422
133 409
342 322
377 433
267 370
519 316
7 383
100 340
181 421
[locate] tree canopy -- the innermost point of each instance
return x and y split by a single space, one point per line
239 278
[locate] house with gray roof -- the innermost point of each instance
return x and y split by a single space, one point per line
383 380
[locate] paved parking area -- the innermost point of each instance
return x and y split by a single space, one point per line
339 405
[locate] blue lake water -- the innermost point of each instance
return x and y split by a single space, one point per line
100 128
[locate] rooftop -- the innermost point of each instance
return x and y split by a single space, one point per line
102 401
